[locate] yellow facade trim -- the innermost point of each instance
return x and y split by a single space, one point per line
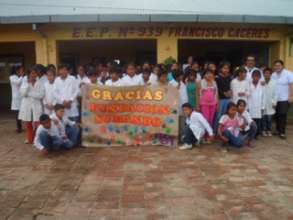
167 35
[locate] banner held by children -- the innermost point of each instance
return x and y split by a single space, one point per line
134 115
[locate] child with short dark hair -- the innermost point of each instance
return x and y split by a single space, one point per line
68 130
195 127
270 102
43 137
255 101
114 77
49 100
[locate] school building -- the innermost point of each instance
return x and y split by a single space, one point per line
80 32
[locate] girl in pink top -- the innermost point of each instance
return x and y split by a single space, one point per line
208 97
229 127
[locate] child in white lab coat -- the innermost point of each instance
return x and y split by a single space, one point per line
15 82
41 71
114 77
195 128
146 73
240 86
270 102
49 100
131 79
65 92
256 99
177 81
32 92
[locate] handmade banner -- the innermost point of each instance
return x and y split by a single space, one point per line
132 115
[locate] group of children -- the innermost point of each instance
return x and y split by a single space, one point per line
237 107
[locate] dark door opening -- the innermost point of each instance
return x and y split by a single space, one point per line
216 51
91 51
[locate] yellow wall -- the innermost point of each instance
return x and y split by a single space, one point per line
48 35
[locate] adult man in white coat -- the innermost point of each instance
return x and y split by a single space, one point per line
65 91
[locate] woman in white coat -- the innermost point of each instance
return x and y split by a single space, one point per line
32 92
15 82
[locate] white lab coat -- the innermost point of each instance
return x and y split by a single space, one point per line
61 124
15 82
152 80
237 87
256 100
31 105
270 97
43 79
51 132
80 81
250 71
67 90
84 79
198 125
109 82
49 98
183 98
136 80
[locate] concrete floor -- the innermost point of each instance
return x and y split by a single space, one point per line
145 182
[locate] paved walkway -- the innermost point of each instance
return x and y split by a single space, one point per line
145 182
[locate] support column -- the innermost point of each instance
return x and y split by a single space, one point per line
52 52
167 47
41 51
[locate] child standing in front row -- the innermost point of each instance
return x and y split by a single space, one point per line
195 128
240 86
32 92
208 96
270 102
256 99
229 127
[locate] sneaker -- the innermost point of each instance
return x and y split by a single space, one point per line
269 133
264 134
185 147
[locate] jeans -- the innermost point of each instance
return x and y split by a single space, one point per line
53 142
75 119
188 136
267 123
258 122
251 133
235 141
73 134
281 116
